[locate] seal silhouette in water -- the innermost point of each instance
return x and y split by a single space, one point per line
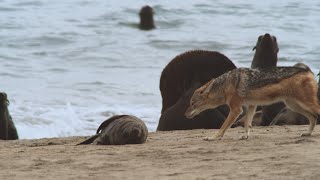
146 18
119 130
8 130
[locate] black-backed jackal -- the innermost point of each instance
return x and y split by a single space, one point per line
294 86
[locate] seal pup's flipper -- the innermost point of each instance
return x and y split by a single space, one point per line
102 126
90 140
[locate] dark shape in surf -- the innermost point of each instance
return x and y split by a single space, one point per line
146 18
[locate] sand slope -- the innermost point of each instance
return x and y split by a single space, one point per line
270 153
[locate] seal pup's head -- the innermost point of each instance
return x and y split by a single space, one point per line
266 54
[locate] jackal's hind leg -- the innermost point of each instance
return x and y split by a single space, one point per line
248 121
232 117
311 117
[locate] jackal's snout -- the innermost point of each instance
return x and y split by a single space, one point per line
190 113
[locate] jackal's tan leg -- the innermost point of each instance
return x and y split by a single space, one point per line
311 117
248 121
235 111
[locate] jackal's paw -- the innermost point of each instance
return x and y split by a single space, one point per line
216 137
306 134
208 138
244 137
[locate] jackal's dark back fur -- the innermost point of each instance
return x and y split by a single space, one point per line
260 78
256 78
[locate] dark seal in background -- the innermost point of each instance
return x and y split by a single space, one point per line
8 130
146 18
266 56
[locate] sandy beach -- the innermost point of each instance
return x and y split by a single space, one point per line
271 153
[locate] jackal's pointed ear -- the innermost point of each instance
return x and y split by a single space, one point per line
209 87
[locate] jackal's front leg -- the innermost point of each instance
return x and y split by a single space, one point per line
248 120
235 111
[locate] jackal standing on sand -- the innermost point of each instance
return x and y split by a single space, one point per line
294 86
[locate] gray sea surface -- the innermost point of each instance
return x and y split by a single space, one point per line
69 65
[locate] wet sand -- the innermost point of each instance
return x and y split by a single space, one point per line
270 153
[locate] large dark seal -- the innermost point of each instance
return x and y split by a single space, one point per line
174 119
146 18
178 81
186 69
119 130
266 56
8 130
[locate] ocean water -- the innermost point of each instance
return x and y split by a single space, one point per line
69 65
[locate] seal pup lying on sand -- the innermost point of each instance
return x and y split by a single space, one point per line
146 18
119 130
8 130
294 86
